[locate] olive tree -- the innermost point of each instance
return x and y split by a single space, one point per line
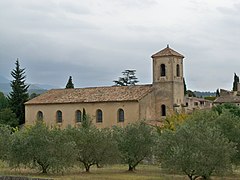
7 117
5 135
135 142
196 149
93 146
42 148
229 125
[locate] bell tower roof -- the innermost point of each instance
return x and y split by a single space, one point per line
167 52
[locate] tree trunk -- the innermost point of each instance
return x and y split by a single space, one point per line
43 166
87 167
130 168
190 177
44 170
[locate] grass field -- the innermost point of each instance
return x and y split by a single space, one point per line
117 172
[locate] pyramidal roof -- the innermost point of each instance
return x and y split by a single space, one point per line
167 52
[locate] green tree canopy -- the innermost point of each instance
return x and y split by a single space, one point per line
235 82
232 108
70 84
190 93
196 148
128 78
217 93
41 148
5 136
19 94
7 117
93 146
135 142
184 86
3 101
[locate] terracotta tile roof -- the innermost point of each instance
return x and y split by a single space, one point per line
94 94
228 99
167 52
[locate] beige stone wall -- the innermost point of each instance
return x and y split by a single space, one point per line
169 89
178 89
109 109
147 107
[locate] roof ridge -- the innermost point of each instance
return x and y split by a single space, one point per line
137 85
167 52
93 94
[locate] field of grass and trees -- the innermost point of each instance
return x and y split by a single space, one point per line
203 145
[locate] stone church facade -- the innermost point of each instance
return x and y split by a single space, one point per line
116 105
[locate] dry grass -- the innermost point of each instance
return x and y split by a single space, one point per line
116 172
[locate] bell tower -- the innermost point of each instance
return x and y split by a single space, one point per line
167 81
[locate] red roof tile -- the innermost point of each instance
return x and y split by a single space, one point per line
167 52
94 94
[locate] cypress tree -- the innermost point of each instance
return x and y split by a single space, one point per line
217 93
19 94
184 86
86 121
235 82
70 83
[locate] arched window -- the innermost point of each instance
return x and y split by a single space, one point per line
78 116
178 70
59 116
99 116
40 115
120 115
163 110
163 70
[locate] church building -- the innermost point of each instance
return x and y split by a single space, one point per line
115 105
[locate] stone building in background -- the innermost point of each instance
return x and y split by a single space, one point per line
116 105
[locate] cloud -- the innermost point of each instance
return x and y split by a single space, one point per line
94 41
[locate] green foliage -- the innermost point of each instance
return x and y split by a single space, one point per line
191 93
196 148
128 78
235 82
185 87
70 84
217 93
42 148
207 116
86 120
135 142
93 146
229 125
5 133
7 117
232 108
19 94
210 98
3 101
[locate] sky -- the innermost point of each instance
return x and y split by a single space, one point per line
95 40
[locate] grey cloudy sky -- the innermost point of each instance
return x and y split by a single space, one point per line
95 40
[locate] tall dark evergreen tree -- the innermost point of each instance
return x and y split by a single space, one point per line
184 86
217 93
128 78
70 83
86 121
235 82
19 94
